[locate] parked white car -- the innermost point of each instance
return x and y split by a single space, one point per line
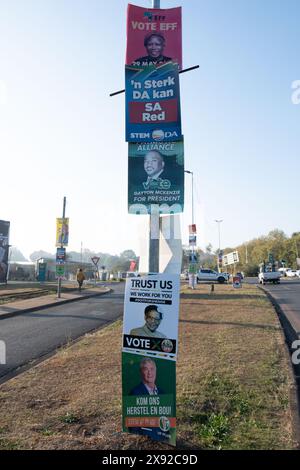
291 273
210 275
283 271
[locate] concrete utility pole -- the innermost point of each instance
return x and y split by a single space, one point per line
155 220
193 248
59 279
219 230
191 173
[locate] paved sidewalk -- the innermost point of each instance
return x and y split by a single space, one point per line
11 309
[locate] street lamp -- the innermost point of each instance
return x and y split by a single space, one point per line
219 230
191 173
193 274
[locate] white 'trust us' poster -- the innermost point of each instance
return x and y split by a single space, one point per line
151 314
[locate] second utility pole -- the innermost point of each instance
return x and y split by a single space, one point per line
59 279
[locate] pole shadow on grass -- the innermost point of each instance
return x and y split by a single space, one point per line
221 296
222 323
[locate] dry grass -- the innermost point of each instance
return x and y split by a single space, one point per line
233 384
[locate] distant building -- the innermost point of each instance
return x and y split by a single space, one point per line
27 270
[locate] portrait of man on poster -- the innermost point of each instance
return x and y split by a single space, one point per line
153 318
154 166
148 385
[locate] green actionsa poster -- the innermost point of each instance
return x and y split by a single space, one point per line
149 396
156 176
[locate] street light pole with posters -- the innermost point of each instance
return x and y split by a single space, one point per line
193 221
59 279
155 219
219 222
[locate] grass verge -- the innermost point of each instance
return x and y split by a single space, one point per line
233 384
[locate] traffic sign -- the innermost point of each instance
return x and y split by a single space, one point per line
95 260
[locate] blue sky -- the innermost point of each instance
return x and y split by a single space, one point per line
62 135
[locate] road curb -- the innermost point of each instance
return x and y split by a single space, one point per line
290 336
45 306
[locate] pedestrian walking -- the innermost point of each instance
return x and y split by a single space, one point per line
80 278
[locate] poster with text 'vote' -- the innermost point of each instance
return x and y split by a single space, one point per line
154 36
151 310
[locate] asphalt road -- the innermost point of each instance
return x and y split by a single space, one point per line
30 336
287 295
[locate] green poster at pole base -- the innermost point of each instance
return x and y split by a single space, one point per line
60 270
192 268
149 397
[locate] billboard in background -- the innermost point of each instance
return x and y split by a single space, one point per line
4 249
62 232
230 258
154 36
153 104
156 176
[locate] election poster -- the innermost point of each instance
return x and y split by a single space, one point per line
4 249
151 312
236 282
60 271
154 36
62 232
149 397
192 240
60 255
192 229
153 103
132 266
156 176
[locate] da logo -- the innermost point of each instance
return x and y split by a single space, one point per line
158 134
